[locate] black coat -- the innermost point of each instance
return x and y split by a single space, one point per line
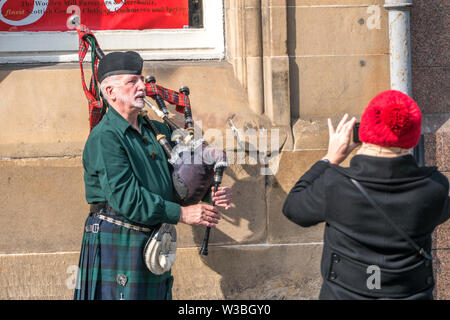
357 236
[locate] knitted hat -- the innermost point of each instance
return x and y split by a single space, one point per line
115 63
392 119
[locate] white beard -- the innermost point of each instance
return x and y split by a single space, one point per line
135 103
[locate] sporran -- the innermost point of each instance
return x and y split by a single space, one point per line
159 251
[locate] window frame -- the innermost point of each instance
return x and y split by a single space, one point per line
156 44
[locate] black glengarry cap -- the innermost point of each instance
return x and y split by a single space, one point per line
116 63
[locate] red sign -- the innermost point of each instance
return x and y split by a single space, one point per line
52 15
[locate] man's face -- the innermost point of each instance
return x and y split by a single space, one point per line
132 90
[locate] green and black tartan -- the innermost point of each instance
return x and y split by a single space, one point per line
112 266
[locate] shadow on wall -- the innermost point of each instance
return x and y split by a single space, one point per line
257 271
248 211
4 74
6 69
240 250
294 73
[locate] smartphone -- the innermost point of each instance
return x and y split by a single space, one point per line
356 133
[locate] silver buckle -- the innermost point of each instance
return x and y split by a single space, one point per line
94 228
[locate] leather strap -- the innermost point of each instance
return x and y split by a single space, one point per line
102 208
124 224
420 250
103 211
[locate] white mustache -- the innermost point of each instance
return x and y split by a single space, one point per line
140 94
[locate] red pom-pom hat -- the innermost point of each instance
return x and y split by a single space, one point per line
392 119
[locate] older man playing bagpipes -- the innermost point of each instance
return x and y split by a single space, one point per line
136 184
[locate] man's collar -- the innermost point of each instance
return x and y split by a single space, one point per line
117 120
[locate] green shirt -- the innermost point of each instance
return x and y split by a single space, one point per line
129 171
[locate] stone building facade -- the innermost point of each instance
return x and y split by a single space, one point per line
288 65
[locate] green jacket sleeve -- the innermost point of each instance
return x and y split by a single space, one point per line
122 189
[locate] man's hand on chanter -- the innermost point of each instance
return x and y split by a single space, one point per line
200 214
222 197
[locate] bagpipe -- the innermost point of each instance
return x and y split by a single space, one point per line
195 165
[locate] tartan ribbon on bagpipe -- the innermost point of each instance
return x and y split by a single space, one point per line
180 100
92 94
96 105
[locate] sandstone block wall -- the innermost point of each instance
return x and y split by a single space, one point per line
289 65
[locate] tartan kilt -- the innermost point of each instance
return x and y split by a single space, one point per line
112 267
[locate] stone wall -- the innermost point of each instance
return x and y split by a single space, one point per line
430 32
289 65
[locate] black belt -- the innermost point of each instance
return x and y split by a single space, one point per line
353 275
103 211
102 208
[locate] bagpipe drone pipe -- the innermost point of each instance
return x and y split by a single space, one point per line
195 165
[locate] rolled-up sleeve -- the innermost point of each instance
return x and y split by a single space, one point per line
306 202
